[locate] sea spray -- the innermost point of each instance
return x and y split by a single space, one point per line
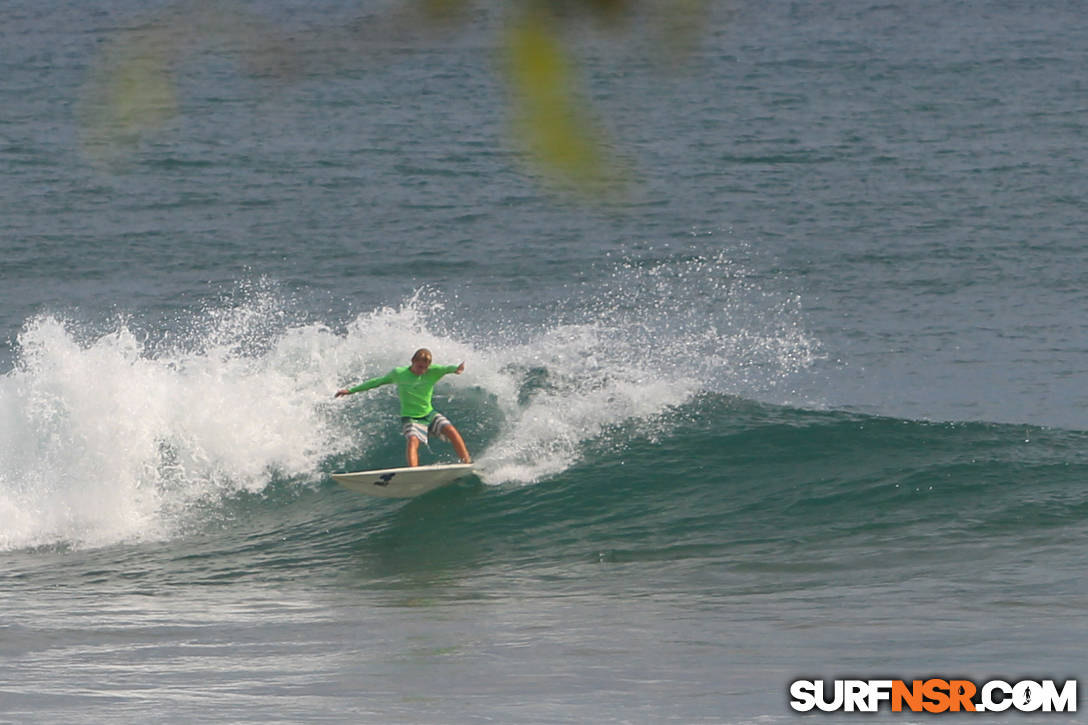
626 349
114 434
104 442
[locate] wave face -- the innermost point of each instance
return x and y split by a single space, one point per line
112 432
777 497
612 446
808 400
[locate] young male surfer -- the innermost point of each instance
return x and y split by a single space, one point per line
415 385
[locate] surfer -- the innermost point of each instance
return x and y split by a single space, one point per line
415 385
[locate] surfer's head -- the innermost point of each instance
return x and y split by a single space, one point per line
421 360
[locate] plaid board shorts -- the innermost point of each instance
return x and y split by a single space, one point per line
421 427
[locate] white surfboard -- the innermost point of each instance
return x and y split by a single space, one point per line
403 482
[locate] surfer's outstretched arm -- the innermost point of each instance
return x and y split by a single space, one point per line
372 383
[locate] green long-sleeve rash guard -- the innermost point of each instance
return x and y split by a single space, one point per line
415 391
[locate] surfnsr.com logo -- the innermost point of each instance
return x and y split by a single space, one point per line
933 695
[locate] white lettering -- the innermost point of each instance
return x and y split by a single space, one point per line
994 696
803 693
856 696
992 705
1064 701
1027 696
823 703
879 690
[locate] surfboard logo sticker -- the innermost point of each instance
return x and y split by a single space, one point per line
384 480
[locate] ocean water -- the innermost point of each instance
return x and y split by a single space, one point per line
808 400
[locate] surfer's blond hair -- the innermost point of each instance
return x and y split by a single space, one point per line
422 354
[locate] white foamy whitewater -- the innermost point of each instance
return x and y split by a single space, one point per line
108 437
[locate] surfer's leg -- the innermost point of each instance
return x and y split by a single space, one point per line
458 443
443 428
415 432
412 451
